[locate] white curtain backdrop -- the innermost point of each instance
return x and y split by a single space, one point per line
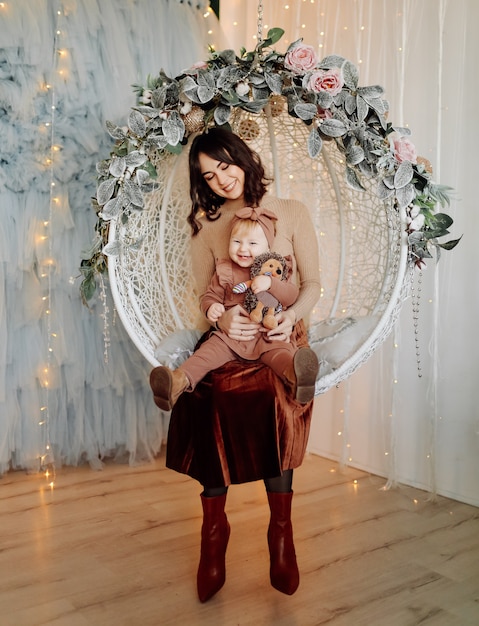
67 67
421 431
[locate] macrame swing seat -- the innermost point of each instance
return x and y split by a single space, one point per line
363 247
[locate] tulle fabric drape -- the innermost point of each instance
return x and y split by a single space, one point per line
65 68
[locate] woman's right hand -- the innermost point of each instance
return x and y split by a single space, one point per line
237 325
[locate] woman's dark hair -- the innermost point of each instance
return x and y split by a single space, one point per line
222 145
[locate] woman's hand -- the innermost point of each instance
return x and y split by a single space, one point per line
286 322
237 325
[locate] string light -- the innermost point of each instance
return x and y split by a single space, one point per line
48 263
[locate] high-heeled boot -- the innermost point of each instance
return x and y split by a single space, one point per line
284 572
215 533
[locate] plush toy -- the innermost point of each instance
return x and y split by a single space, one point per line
263 305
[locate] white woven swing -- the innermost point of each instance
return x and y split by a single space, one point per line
362 242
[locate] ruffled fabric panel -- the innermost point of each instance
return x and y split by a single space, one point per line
73 387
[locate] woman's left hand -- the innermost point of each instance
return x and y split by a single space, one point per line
286 322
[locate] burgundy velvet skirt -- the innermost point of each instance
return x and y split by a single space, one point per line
238 425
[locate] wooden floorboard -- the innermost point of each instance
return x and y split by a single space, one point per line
120 547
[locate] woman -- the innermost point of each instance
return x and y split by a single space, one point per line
240 424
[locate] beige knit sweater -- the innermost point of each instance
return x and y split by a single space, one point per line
295 236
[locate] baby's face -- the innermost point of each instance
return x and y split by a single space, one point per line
246 244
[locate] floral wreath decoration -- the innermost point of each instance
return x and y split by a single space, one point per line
324 94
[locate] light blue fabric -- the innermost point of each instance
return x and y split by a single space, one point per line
92 408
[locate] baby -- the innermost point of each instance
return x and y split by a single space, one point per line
252 234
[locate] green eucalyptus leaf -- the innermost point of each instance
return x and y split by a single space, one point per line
274 35
440 221
88 288
449 245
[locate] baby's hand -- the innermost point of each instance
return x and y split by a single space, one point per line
215 311
261 283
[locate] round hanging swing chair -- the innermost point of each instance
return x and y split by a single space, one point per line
323 140
362 242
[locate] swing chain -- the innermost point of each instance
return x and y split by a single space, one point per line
260 22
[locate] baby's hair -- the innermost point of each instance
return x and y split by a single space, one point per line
245 226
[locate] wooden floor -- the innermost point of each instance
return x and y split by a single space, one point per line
120 547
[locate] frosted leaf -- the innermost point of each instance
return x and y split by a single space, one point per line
333 128
222 114
113 248
111 208
354 155
363 108
331 61
105 191
135 159
133 193
137 124
315 143
274 82
403 175
353 180
305 111
115 131
350 75
405 195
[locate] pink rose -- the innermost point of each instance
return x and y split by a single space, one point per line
300 59
326 80
404 150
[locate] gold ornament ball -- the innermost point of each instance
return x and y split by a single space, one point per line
248 129
194 120
277 105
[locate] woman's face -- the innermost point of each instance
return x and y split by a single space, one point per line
224 179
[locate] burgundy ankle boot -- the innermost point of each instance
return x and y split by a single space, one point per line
284 572
215 533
